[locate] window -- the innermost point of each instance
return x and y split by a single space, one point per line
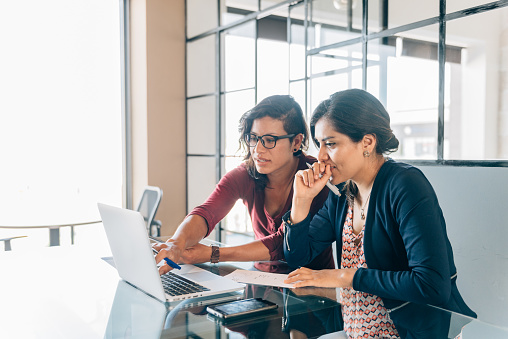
448 59
61 114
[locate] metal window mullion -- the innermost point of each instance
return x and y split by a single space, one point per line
247 18
476 10
218 106
256 28
186 118
441 56
346 70
289 41
349 15
318 50
306 45
365 7
459 163
218 110
126 104
383 69
377 35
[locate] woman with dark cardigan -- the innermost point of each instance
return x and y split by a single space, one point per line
394 256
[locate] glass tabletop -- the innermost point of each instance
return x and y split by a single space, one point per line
301 313
310 313
72 292
305 313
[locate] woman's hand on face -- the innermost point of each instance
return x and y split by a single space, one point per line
196 254
321 278
308 183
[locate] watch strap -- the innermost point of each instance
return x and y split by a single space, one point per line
214 259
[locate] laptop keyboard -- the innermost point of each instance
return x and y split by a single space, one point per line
176 285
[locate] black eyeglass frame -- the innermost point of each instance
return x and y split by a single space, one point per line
247 137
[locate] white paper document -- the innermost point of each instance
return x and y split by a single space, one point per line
259 278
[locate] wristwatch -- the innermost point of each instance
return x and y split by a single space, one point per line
215 254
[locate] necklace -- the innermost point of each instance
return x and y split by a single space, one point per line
362 209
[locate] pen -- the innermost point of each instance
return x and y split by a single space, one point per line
172 263
168 261
332 187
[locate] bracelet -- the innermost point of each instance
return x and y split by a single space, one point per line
214 258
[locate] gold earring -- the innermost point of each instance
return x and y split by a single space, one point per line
366 153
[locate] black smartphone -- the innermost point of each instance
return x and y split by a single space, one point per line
241 308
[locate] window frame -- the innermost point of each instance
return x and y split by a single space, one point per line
364 38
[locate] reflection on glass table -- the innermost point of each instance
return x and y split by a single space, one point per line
302 313
70 292
435 322
135 314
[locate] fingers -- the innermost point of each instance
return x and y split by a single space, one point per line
311 176
322 170
327 172
299 274
322 167
307 177
162 252
303 277
304 283
157 246
319 172
165 268
314 171
299 271
300 281
165 251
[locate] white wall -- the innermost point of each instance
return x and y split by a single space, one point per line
474 203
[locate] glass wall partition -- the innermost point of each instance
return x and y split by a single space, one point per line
439 67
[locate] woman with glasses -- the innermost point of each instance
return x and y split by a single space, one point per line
274 135
393 251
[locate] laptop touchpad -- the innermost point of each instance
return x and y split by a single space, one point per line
201 276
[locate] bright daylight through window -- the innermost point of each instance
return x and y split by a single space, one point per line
443 85
60 115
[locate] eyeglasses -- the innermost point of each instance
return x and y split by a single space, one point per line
268 141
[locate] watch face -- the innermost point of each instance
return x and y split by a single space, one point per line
215 255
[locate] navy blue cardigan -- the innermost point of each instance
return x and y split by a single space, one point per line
408 254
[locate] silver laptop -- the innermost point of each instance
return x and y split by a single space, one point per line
135 262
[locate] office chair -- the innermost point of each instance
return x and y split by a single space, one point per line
7 241
148 206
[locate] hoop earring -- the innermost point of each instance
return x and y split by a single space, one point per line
295 150
366 154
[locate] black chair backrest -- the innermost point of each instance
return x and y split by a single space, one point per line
149 204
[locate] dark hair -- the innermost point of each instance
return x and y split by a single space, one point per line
356 113
279 107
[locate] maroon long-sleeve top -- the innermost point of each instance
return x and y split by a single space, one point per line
237 184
